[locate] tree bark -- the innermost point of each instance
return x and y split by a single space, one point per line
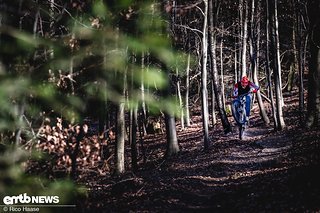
244 40
213 104
276 64
143 102
254 53
313 109
204 90
221 71
133 137
121 130
212 45
268 73
300 61
133 120
181 107
171 132
187 110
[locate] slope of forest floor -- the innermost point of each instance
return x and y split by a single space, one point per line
268 171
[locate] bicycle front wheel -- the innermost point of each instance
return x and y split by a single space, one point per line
241 131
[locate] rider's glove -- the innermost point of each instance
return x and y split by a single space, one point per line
253 90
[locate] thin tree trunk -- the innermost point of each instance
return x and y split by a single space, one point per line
235 65
181 107
293 66
187 110
121 130
276 65
254 52
141 140
213 108
221 71
204 90
240 40
52 21
300 63
278 60
244 40
236 69
274 112
133 120
120 139
212 47
134 124
143 102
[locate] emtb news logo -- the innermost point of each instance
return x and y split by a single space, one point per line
25 199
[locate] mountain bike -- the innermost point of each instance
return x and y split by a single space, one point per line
240 115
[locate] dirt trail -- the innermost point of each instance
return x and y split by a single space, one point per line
265 172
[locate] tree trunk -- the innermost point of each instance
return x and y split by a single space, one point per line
204 90
143 102
213 108
294 63
240 39
313 109
181 107
187 110
274 112
171 132
141 139
212 47
278 60
244 40
121 130
300 63
172 140
133 120
221 71
235 65
133 137
254 53
276 64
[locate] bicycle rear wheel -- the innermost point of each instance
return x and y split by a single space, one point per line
241 131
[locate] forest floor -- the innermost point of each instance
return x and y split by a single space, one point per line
268 171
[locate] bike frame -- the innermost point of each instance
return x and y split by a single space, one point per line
241 110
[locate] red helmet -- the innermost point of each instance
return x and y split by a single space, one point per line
245 80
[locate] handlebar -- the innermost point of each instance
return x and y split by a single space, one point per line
242 95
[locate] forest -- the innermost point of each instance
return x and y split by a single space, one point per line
128 106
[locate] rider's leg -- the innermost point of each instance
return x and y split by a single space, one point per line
235 106
248 106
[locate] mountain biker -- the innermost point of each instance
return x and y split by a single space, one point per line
244 86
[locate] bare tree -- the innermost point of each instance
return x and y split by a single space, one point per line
204 73
212 48
275 51
268 72
254 56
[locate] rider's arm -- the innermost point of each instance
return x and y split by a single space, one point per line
253 87
235 90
